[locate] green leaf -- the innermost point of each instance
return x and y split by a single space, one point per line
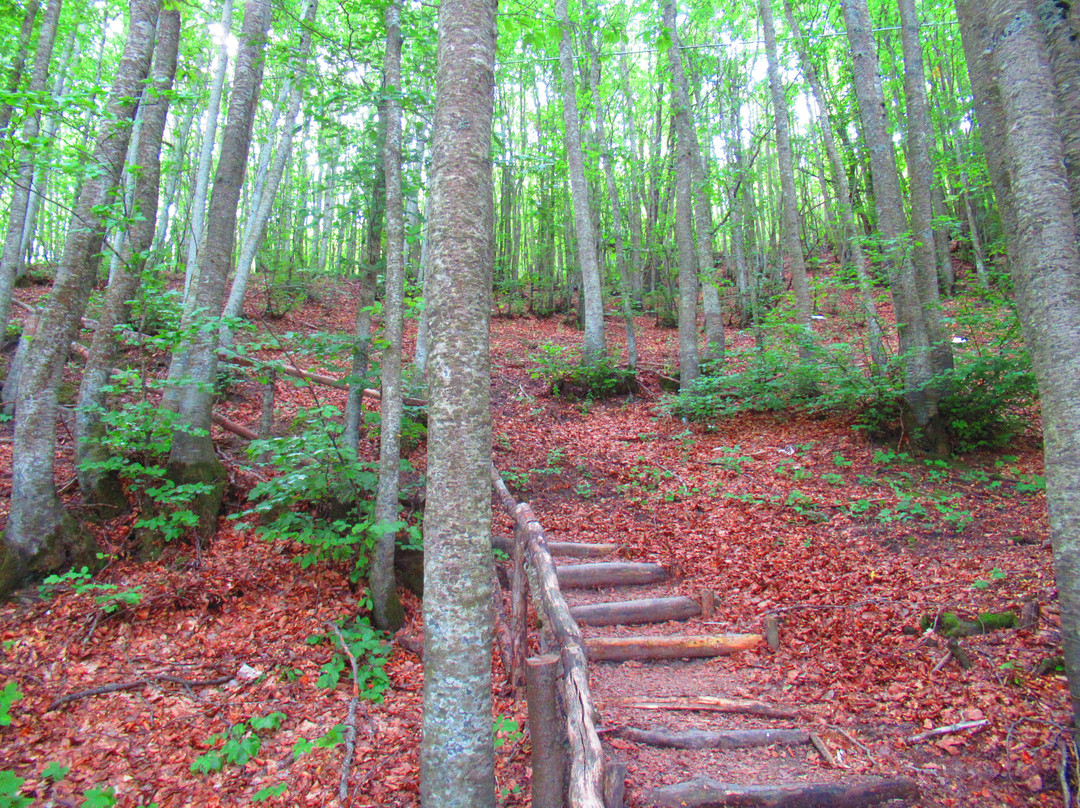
55 772
270 791
99 797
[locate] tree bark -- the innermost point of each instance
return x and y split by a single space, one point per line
389 615
97 486
11 259
1046 276
594 347
41 537
457 761
192 457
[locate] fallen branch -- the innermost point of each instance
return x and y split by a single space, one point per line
963 725
704 792
116 687
714 704
350 723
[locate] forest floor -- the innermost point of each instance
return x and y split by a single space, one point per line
779 514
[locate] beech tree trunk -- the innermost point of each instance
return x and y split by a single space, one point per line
192 458
790 226
389 615
1046 275
11 259
594 347
100 488
41 537
457 759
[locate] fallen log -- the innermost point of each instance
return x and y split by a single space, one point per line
714 704
621 649
628 612
609 573
561 548
712 739
704 792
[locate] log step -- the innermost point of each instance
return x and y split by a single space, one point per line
704 792
627 612
713 739
716 704
621 649
572 549
609 573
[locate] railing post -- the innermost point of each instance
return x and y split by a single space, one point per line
547 731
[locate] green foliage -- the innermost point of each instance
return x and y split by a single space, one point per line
112 599
368 646
262 795
988 393
10 786
731 458
239 744
321 496
564 370
506 730
8 696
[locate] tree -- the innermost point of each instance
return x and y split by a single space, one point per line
457 760
41 536
387 608
1045 269
192 459
594 347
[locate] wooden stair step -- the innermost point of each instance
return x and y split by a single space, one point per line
609 573
572 549
712 739
621 649
714 704
705 791
627 612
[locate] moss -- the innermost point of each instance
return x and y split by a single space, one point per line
67 547
947 624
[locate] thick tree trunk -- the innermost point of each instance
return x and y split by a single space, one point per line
1063 46
457 761
41 537
1047 280
97 486
192 458
594 347
389 614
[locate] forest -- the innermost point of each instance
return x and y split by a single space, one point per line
729 354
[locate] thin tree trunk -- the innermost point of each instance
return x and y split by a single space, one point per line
594 347
11 258
387 609
41 537
18 63
790 226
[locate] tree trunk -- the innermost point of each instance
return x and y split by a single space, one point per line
41 537
1063 46
1046 275
594 347
853 237
689 367
12 259
254 234
387 609
192 458
790 226
97 486
924 421
457 761
19 62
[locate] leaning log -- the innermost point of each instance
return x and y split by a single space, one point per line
713 704
704 792
629 612
621 649
712 739
610 573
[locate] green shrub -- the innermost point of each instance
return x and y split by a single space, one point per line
988 393
565 372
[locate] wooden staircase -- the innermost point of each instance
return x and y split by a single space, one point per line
599 625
